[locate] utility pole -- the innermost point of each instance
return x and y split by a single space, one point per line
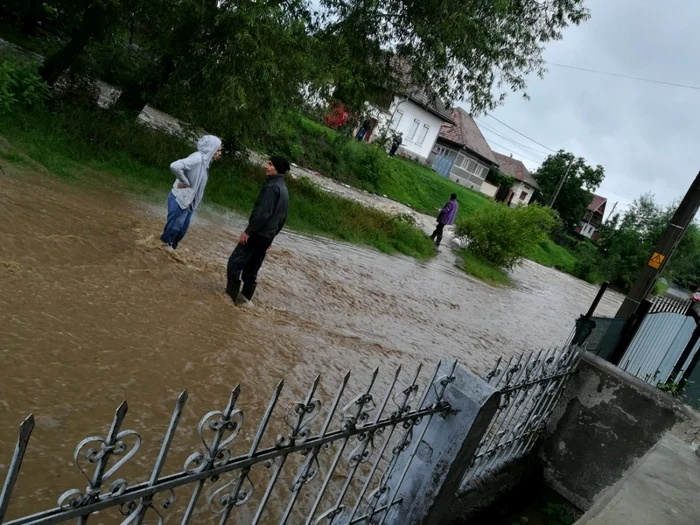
561 183
664 250
611 212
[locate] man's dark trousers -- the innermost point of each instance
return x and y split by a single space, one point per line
246 259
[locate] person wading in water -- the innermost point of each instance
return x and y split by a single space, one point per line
192 175
446 217
266 221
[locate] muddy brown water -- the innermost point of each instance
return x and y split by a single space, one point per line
93 311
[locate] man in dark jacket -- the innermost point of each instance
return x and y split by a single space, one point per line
266 221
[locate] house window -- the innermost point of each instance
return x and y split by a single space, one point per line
414 128
423 133
523 195
477 172
441 151
397 118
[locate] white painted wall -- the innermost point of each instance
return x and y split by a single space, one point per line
405 113
517 190
587 230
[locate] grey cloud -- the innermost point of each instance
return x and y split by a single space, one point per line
645 135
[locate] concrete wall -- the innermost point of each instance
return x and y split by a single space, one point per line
605 422
489 189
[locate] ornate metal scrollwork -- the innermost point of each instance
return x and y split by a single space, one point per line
100 451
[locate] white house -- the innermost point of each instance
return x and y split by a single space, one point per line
525 184
416 113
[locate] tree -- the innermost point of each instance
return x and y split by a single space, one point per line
97 16
475 51
627 241
576 193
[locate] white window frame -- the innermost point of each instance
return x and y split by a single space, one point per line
397 121
413 129
423 133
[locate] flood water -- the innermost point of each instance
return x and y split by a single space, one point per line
93 311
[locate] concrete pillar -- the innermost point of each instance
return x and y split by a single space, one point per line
435 471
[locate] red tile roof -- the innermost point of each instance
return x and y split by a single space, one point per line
466 134
423 95
597 204
516 169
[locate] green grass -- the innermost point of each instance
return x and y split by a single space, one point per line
87 145
366 166
550 254
482 269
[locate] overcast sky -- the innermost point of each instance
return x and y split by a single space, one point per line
645 135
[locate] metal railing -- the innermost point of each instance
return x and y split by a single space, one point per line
530 386
219 428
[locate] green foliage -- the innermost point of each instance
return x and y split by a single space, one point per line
575 194
498 178
660 287
233 67
454 46
558 514
71 143
20 84
673 389
503 235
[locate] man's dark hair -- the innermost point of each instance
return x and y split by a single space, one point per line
453 197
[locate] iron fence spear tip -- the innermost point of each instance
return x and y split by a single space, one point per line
27 425
122 410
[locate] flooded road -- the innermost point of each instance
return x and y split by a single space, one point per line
93 311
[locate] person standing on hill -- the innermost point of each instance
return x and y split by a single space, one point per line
266 221
446 217
395 143
192 175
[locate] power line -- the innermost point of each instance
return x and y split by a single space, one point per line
506 148
522 134
487 128
629 77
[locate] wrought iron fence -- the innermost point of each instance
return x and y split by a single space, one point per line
370 434
530 386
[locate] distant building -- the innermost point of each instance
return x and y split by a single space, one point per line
593 218
525 184
461 152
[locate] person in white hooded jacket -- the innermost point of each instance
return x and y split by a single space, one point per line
191 175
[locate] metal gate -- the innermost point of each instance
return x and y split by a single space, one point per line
530 387
442 164
371 432
662 340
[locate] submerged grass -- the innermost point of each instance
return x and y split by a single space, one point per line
482 269
81 144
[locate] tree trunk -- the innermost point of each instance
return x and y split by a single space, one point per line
55 65
33 14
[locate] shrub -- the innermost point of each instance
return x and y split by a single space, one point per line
505 236
20 84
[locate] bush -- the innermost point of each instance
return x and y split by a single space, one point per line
505 236
20 84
